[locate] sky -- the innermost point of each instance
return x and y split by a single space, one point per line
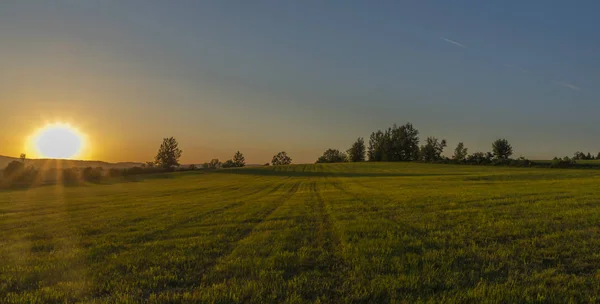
299 76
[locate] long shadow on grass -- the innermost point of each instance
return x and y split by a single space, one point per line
267 172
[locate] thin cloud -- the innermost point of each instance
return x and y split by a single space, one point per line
569 85
454 42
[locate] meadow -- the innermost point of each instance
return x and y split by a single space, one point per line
331 233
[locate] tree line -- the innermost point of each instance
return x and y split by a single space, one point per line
167 159
582 156
168 156
169 153
394 144
402 143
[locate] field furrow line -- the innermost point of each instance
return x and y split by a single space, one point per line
326 229
367 205
387 217
223 209
247 232
154 234
328 237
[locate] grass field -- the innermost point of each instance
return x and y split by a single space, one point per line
371 232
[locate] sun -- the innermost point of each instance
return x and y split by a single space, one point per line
58 140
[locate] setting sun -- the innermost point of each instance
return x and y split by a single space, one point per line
58 140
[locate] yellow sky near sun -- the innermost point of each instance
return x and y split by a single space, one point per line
125 118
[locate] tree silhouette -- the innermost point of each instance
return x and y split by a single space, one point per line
395 144
228 164
460 152
281 158
168 154
357 152
432 151
238 159
376 143
332 156
479 158
502 149
214 164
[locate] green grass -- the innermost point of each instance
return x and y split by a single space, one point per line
371 232
580 161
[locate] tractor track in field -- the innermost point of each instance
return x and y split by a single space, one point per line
327 236
280 201
273 190
392 219
153 235
326 229
367 205
336 185
230 248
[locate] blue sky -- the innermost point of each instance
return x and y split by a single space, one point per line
301 76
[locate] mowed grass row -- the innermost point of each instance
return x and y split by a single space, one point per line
370 232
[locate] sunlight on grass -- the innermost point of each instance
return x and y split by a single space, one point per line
370 232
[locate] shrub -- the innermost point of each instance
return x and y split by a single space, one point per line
92 174
114 172
228 164
14 169
281 158
332 156
565 162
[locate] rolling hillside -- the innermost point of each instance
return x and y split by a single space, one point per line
66 163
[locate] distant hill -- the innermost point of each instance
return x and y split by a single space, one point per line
67 163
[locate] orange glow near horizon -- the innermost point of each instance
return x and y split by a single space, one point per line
57 140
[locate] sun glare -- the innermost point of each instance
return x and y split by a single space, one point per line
58 140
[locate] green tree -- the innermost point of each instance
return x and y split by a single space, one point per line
395 144
432 150
357 152
332 156
281 158
23 157
460 152
213 164
404 143
376 146
479 158
228 164
168 154
239 160
502 149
